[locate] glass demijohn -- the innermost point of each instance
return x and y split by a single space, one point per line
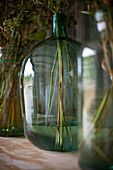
49 91
96 102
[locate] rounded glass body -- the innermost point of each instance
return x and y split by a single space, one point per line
95 108
49 88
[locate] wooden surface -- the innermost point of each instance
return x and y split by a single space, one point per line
20 154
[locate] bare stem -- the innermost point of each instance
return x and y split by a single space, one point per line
52 74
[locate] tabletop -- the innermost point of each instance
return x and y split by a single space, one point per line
17 153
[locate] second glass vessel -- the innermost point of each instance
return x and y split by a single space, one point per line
96 101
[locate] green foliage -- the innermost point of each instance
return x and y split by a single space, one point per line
24 22
40 35
54 5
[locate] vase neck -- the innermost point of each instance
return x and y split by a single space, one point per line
59 25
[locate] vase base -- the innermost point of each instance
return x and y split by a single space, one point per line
37 134
12 132
94 167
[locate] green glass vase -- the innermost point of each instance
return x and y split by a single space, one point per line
96 101
49 91
11 123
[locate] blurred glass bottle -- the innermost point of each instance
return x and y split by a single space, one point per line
96 100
